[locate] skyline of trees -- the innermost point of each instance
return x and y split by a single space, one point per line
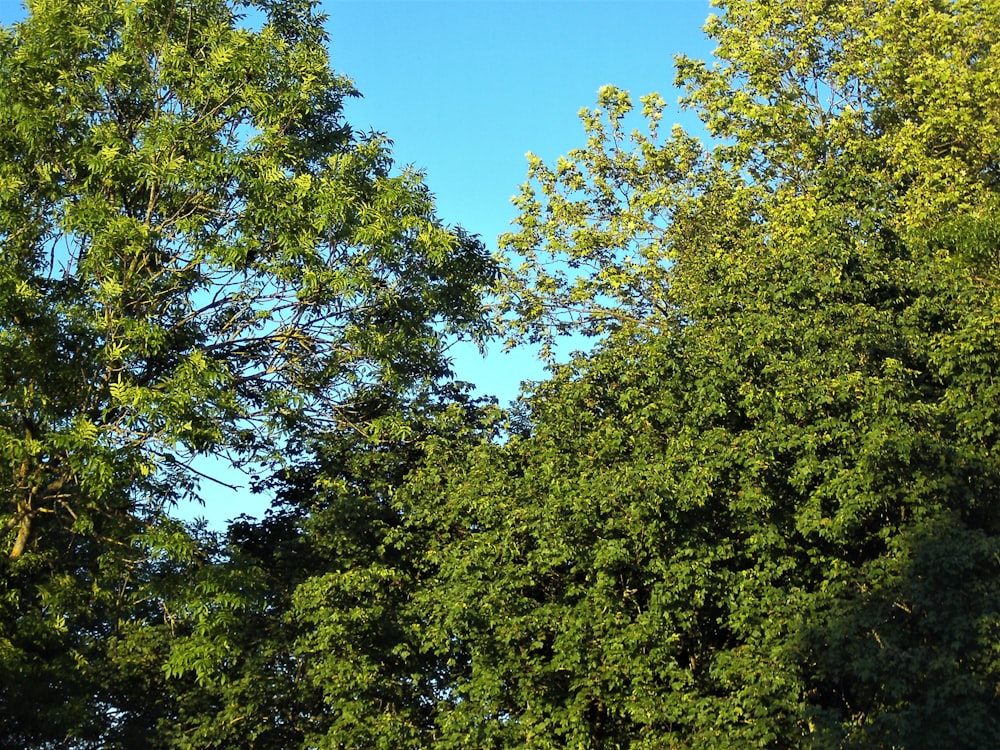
760 510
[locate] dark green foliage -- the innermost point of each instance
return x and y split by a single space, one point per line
763 511
768 527
304 632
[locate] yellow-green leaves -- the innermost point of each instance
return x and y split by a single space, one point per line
593 250
799 330
198 255
197 183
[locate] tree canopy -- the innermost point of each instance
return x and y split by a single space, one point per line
760 511
199 256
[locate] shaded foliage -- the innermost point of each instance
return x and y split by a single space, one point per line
312 638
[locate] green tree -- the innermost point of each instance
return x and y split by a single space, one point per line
198 255
312 637
762 511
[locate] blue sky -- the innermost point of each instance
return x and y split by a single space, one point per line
465 88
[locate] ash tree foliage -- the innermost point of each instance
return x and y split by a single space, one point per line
199 256
199 251
761 511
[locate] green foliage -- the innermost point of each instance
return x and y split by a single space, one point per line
761 512
594 231
773 525
306 633
198 255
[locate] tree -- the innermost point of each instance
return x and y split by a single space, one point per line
199 256
761 511
311 637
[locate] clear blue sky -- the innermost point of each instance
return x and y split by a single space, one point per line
465 88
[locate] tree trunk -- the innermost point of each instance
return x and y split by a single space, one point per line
23 533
